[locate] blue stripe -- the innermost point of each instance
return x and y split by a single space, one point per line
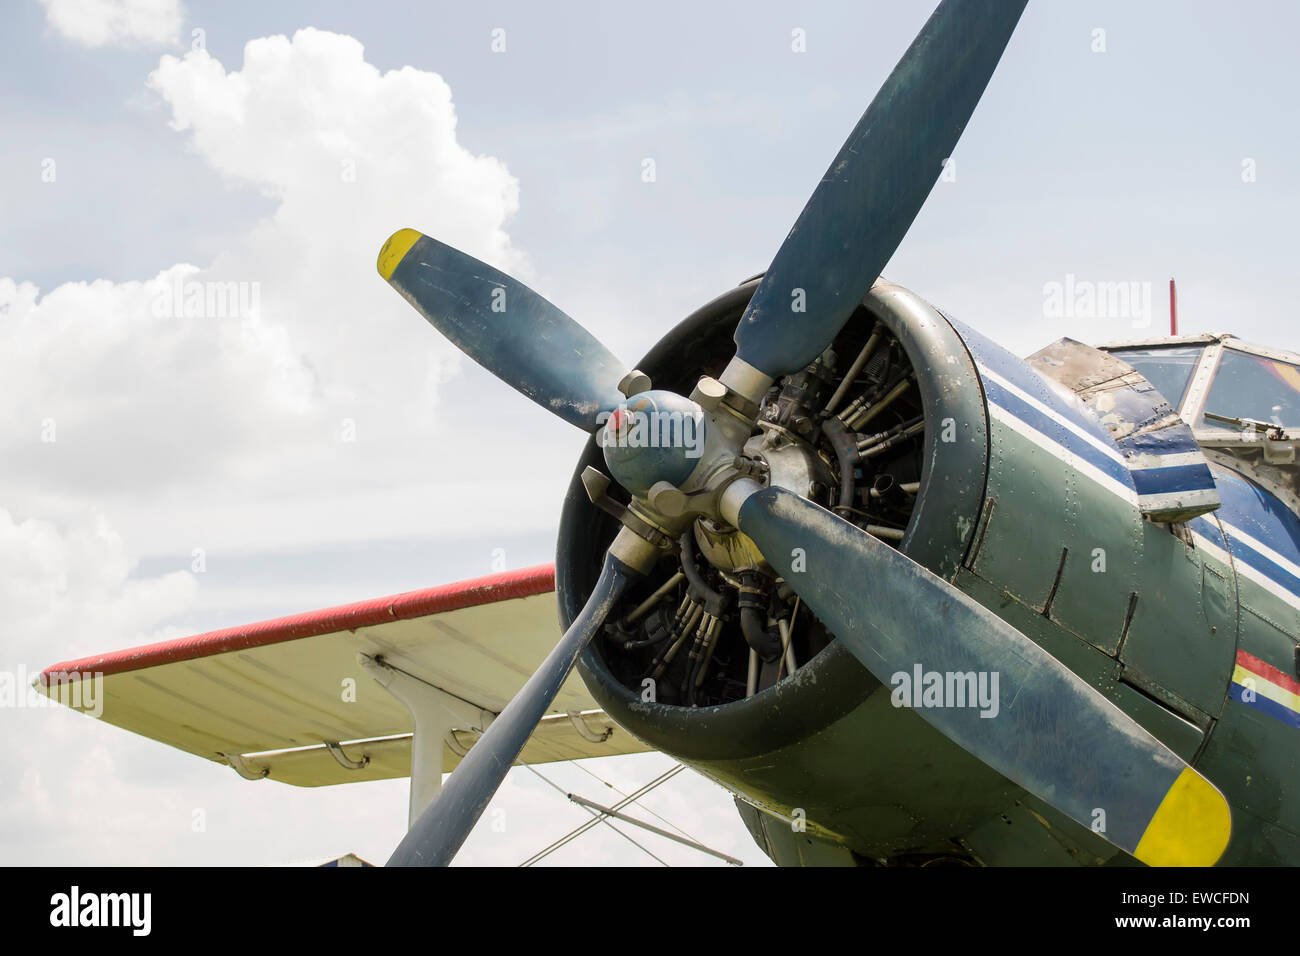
1055 431
1152 481
1024 377
1243 552
1259 514
1266 706
1210 529
1265 566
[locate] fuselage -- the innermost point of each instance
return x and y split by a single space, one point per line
1190 627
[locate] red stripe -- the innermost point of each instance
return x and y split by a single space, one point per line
1268 672
525 582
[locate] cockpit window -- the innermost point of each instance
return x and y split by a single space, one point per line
1168 368
1252 386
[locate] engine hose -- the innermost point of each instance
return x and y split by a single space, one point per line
846 451
693 660
753 614
658 628
713 601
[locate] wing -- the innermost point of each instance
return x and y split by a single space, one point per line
300 699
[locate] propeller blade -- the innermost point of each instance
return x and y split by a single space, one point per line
506 327
877 184
443 826
1051 733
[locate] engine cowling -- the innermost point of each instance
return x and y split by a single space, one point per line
919 483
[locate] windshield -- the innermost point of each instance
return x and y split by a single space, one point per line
1168 368
1251 386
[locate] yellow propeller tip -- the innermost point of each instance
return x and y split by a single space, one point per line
1191 826
395 250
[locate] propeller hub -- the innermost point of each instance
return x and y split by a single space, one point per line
654 436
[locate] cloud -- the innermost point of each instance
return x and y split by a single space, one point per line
350 154
110 390
98 23
282 379
307 119
68 591
70 588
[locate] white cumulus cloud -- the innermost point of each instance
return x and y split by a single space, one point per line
285 363
71 589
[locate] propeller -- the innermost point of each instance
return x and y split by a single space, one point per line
875 187
1053 733
506 327
436 836
1057 737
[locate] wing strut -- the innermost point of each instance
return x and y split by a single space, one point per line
435 713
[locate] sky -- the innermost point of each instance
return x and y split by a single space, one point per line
315 442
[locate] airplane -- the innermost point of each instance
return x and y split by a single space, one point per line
913 600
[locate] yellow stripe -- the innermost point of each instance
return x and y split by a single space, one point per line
1264 687
1190 827
395 250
